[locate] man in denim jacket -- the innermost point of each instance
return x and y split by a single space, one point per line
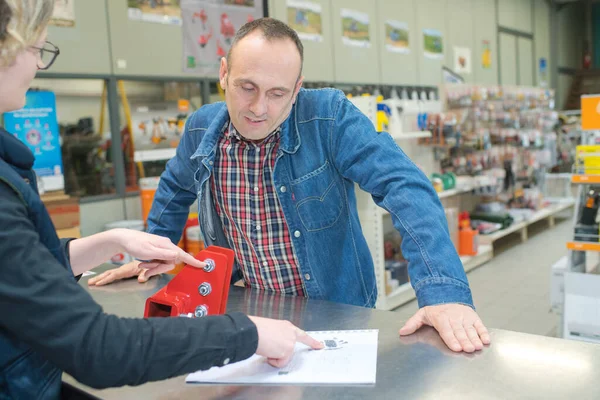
274 169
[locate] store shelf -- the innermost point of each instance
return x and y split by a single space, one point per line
411 135
484 254
154 155
453 192
547 212
405 293
402 295
583 246
489 239
585 179
448 193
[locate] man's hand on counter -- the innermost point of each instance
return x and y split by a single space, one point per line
125 271
458 325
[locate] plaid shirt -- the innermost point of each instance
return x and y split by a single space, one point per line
252 218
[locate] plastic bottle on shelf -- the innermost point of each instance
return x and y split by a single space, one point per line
468 238
383 115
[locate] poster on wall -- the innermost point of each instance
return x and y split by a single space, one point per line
462 60
486 55
355 28
63 14
208 29
396 37
305 18
433 45
36 126
158 11
543 72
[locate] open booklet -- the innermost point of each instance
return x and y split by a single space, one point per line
349 358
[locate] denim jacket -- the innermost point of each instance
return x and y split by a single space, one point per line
327 145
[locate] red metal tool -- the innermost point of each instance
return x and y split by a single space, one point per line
196 292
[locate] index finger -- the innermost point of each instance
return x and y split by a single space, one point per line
190 260
311 342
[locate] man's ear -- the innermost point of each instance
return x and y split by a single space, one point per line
223 73
297 88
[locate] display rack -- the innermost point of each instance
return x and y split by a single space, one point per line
372 221
575 285
154 155
548 213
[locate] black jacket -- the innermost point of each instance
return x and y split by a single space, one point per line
50 323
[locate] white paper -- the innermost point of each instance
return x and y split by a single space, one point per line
349 358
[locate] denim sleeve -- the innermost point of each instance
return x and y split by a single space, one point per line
176 190
375 162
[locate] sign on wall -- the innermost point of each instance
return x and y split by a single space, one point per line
36 126
433 44
63 14
462 60
486 55
355 28
305 18
208 30
396 37
157 11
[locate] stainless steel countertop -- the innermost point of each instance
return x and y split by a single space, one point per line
514 366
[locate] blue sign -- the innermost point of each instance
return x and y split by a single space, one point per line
37 127
543 65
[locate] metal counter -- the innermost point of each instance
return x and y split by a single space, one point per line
514 366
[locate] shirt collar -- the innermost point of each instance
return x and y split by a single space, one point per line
233 135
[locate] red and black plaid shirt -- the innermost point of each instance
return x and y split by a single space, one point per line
247 204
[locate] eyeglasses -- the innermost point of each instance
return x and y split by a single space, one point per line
48 55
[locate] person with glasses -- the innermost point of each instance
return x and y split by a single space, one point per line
48 322
47 53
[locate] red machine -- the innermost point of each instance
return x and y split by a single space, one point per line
196 292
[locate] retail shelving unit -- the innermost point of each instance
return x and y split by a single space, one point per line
548 213
372 221
154 154
578 288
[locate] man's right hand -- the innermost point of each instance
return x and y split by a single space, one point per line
277 339
124 271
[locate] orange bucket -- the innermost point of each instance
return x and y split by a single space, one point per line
148 188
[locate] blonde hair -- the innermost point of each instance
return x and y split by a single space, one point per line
21 24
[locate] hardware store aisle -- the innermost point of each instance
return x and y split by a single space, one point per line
512 291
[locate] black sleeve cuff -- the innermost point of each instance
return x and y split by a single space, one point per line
64 244
245 341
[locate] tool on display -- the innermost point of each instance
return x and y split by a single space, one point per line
196 292
590 210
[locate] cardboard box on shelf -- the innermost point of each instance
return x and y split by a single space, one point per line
54 196
74 232
63 210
